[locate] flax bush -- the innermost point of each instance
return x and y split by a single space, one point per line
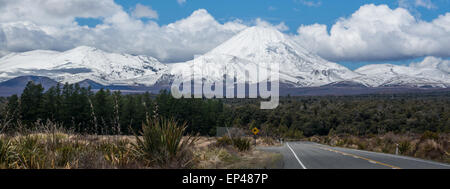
162 144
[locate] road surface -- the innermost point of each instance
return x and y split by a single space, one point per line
309 155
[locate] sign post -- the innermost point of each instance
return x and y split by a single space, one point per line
255 132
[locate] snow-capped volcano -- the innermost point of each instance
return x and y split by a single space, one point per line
259 46
249 50
83 63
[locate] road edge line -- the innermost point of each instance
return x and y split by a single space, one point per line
402 157
410 158
360 157
298 159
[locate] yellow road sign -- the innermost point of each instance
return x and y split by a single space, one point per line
255 131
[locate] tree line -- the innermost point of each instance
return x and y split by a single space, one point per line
107 112
355 115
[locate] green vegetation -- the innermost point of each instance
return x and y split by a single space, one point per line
162 144
240 143
104 112
355 115
61 149
54 128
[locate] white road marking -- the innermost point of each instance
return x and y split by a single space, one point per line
389 155
359 157
300 162
397 156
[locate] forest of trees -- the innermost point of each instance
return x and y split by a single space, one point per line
355 115
106 112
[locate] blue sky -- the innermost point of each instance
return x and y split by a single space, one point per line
293 13
364 32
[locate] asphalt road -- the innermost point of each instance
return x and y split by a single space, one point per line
308 155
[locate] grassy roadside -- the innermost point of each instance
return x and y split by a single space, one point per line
61 150
217 155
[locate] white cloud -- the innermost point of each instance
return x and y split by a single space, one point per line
2 39
371 33
433 62
310 3
425 3
4 53
142 11
55 12
262 23
181 2
378 33
119 31
412 5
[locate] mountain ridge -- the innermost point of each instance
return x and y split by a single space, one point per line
82 63
246 51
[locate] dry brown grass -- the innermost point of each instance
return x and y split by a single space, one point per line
211 155
64 151
60 150
51 147
230 158
267 141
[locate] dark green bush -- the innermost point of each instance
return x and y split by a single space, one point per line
404 147
430 135
162 144
242 144
5 153
224 141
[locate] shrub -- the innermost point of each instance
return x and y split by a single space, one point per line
430 149
268 141
387 148
404 147
340 142
242 144
162 144
224 141
5 153
66 154
119 154
294 134
362 145
429 135
29 153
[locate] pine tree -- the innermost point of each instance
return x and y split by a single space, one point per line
103 107
31 103
12 110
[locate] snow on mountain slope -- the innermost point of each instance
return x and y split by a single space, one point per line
431 71
212 67
261 45
249 50
83 63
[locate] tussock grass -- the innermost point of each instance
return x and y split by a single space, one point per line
48 146
6 153
162 144
229 158
240 143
